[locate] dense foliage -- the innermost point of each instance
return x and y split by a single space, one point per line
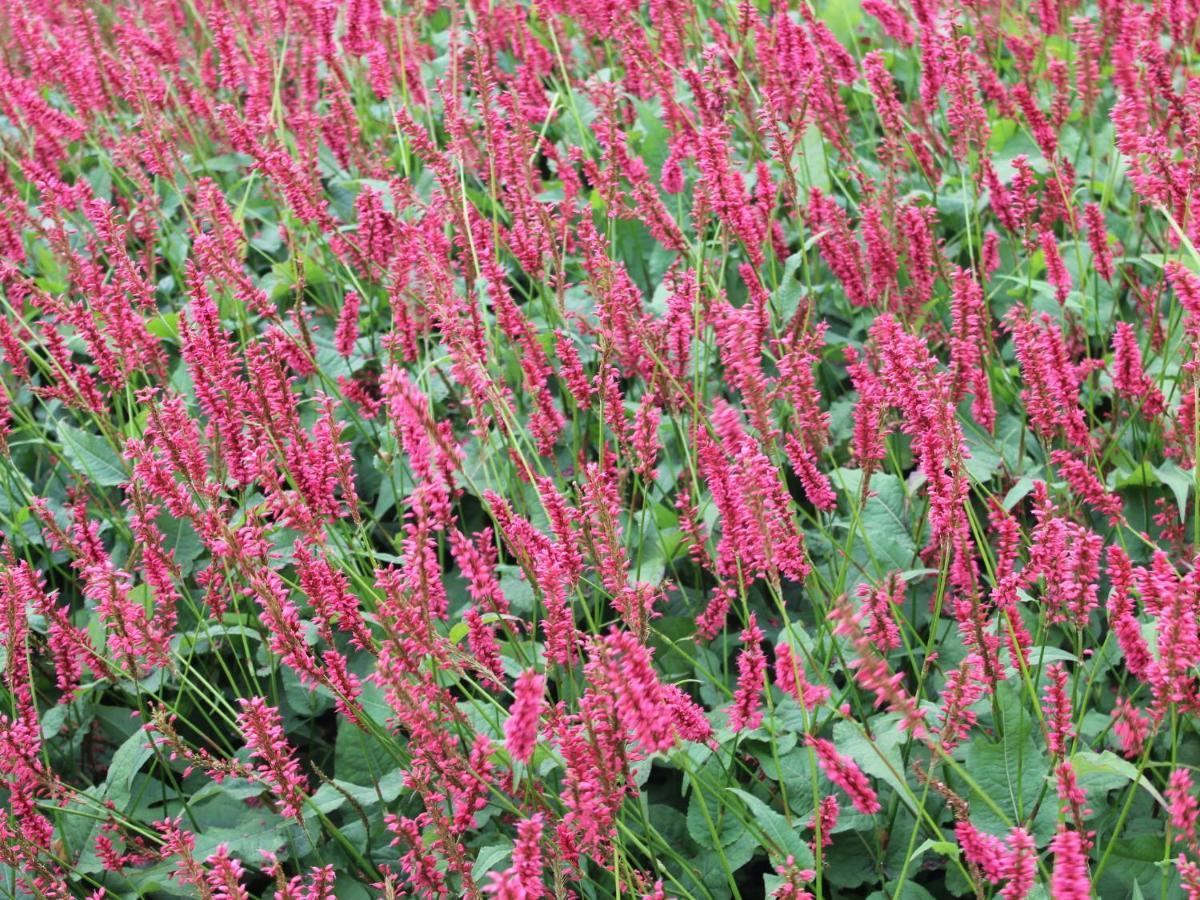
591 448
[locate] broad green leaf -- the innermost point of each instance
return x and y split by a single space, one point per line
333 795
882 532
812 156
359 758
489 858
1179 481
707 817
879 757
910 890
710 866
126 762
90 455
775 828
1018 492
984 462
1012 774
945 848
181 538
1105 771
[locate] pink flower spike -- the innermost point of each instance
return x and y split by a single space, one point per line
521 728
1070 880
262 727
846 774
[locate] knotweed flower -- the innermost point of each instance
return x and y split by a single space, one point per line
791 678
278 768
752 667
523 879
846 774
521 727
1070 880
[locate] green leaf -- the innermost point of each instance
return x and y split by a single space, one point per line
359 757
1179 481
1038 656
1105 771
945 848
794 767
1018 492
489 858
791 287
1137 859
812 156
880 757
125 764
181 538
984 462
908 891
333 795
516 588
165 326
1012 774
90 455
710 866
882 533
1143 475
704 810
776 829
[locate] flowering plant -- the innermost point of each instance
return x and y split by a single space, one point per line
544 448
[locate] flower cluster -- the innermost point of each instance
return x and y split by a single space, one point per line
660 449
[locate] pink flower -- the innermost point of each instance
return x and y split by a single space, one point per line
1183 805
521 727
964 686
1052 380
838 246
1098 240
794 879
690 720
824 819
1070 880
912 383
791 678
846 774
983 850
1020 866
969 346
872 672
1129 377
1189 874
571 370
646 444
1066 555
347 325
881 254
1087 486
1043 132
870 410
224 875
481 638
1056 271
523 879
1072 796
262 727
672 174
752 666
1131 726
894 21
1057 704
641 699
759 535
879 604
